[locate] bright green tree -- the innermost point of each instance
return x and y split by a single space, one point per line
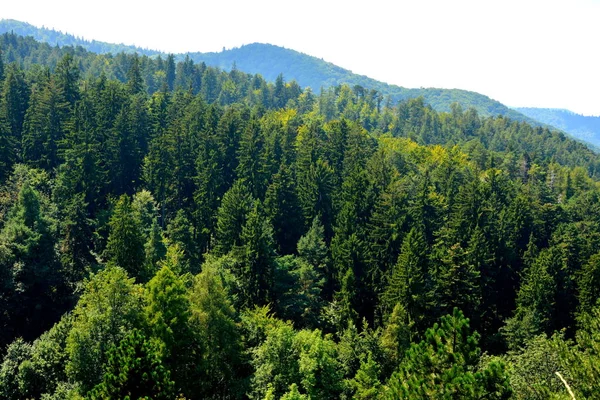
134 370
444 365
219 355
110 307
168 317
257 254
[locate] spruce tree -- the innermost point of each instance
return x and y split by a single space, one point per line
408 282
257 254
231 217
125 247
444 365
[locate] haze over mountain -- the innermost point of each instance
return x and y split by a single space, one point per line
270 61
586 128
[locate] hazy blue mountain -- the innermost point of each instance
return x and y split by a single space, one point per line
53 37
579 126
270 61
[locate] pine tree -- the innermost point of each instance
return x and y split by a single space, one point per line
67 78
168 314
45 125
366 384
14 99
82 171
312 247
75 248
444 365
283 210
170 72
135 83
349 263
125 247
385 232
250 168
408 283
154 250
231 217
134 369
257 254
8 146
535 302
457 283
31 262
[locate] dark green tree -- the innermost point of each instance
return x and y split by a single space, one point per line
125 246
283 210
15 99
408 281
231 217
67 78
30 261
257 254
45 125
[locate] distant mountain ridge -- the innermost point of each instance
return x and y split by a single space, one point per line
270 61
57 38
585 128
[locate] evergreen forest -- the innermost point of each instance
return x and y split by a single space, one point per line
171 230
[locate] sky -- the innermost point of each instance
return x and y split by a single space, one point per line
523 53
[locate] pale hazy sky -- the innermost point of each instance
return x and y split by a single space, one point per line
536 53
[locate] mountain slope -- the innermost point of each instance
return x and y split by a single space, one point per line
579 126
270 61
57 38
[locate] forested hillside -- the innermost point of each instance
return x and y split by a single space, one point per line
270 61
171 230
582 127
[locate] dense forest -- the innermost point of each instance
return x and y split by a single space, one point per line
171 230
586 128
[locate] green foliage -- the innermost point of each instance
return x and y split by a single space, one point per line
305 358
444 365
44 371
134 370
11 383
366 384
125 247
33 285
297 290
581 359
532 369
218 356
408 283
108 309
237 204
231 217
257 255
396 336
